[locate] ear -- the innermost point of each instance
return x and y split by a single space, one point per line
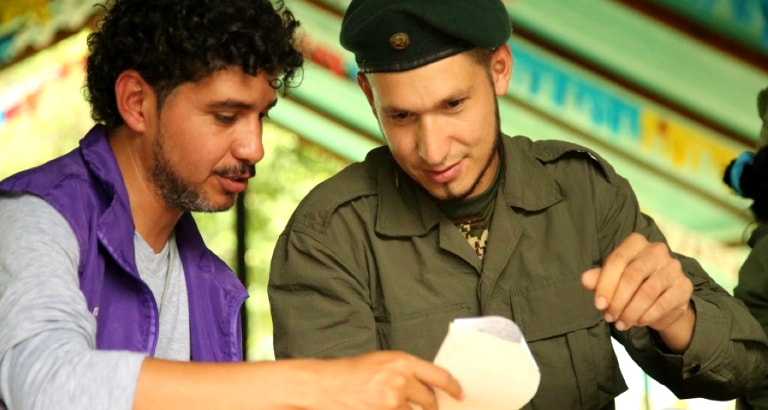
365 85
133 95
501 68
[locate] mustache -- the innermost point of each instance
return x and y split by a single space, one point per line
244 170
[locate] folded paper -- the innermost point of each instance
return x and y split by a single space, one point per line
490 358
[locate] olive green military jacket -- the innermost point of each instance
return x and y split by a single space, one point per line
367 262
752 288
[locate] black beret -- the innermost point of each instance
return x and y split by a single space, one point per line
399 35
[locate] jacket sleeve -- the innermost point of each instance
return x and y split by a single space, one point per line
320 304
729 349
752 289
47 335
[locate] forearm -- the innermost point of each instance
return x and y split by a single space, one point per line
284 384
37 377
379 380
726 355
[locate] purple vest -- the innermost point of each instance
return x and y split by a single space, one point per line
87 188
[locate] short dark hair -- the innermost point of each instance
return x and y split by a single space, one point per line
481 56
171 42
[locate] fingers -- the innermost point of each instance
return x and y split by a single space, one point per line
420 394
421 378
436 377
396 380
640 284
590 277
613 271
394 387
667 309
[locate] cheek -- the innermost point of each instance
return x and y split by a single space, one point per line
196 160
479 127
399 151
400 143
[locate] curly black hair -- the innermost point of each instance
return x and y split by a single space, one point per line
171 42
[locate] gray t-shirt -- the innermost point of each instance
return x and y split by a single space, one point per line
47 335
163 273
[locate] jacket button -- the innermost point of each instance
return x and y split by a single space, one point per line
695 368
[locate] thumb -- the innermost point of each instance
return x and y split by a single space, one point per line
589 278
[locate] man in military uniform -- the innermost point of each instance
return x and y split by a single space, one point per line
455 219
747 175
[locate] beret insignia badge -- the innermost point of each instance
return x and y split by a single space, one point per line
399 41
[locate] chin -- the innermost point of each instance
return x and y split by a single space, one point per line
224 205
210 205
446 195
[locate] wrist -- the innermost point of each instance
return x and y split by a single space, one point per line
678 335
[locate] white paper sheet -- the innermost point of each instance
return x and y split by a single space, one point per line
491 360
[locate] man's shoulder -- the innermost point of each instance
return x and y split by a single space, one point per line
348 184
68 185
358 181
557 154
62 170
548 150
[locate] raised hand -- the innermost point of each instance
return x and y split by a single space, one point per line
640 284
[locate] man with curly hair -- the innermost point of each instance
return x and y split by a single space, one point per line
107 291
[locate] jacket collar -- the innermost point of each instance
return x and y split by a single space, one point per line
406 209
116 227
115 231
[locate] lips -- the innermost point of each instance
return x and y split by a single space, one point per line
445 175
234 184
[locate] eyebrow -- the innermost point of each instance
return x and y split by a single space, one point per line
458 95
236 105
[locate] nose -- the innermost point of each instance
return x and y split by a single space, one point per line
248 146
433 141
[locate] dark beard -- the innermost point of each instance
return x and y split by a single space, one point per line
174 191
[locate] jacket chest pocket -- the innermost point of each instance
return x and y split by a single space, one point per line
571 344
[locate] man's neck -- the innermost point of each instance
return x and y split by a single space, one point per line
153 217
